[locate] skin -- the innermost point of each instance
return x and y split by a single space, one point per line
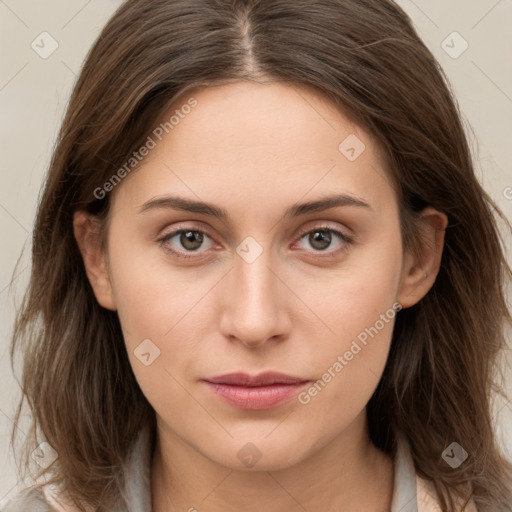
255 149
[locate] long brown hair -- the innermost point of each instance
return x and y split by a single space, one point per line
365 57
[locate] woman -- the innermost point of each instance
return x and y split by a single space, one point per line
265 276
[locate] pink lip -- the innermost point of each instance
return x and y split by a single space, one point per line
258 392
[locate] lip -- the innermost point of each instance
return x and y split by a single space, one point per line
258 392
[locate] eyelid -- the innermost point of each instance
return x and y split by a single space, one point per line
319 226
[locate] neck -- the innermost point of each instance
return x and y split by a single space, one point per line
348 473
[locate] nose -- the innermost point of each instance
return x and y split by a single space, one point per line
255 303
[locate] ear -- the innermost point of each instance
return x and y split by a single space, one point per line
421 265
95 261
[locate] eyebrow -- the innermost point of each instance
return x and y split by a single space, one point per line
296 210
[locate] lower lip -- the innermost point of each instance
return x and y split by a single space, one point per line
256 398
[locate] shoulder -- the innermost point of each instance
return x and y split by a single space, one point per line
31 499
428 500
38 498
136 494
414 493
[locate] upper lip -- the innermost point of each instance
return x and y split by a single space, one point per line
262 379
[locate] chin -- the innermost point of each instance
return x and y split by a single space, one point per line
261 455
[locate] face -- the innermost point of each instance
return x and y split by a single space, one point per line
311 292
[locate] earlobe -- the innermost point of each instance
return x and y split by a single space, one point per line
421 267
94 258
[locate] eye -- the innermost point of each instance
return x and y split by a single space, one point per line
188 241
321 238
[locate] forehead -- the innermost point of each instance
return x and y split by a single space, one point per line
247 141
269 119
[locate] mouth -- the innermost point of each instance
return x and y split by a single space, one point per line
258 392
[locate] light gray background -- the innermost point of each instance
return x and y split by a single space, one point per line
34 92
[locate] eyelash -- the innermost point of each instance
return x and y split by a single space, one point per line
346 239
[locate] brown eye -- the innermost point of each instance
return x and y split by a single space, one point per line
321 239
191 240
182 241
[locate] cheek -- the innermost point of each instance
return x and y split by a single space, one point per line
152 296
154 302
352 296
155 312
359 305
